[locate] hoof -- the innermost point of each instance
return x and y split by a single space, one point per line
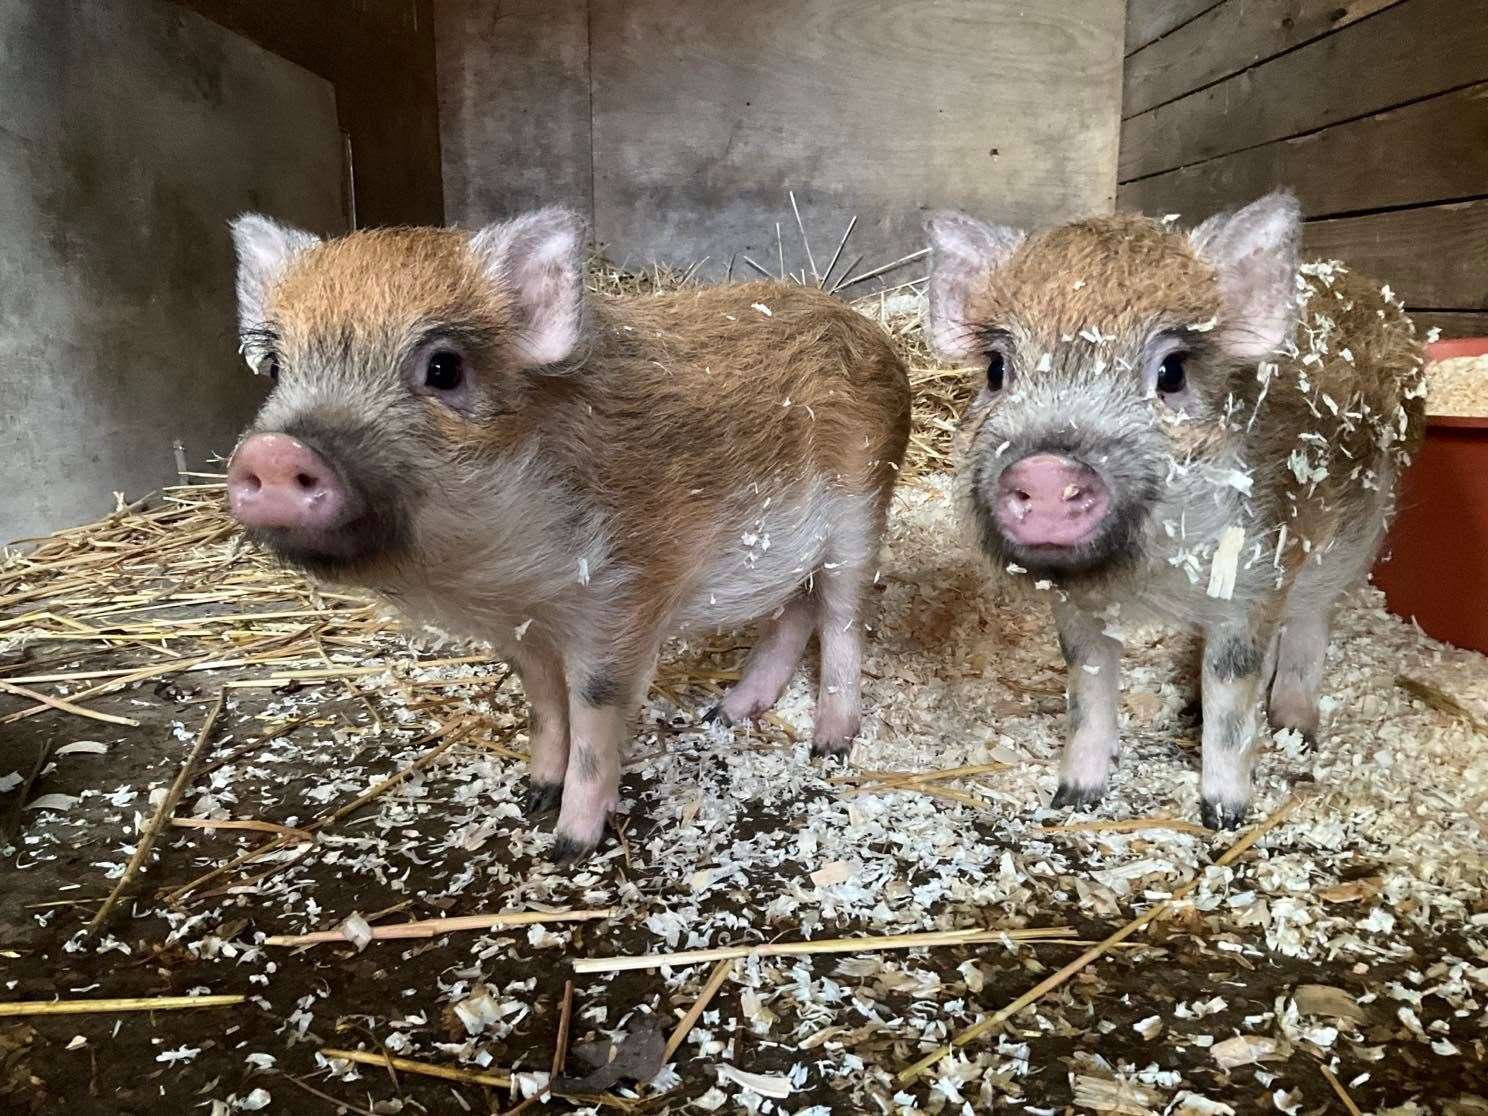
717 715
567 851
1222 815
543 798
1078 797
1309 741
825 749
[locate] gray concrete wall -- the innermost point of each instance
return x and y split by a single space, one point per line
130 132
680 125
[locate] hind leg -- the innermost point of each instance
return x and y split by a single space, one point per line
1301 649
771 664
840 631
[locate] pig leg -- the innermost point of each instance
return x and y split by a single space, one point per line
541 672
1302 647
771 664
1093 662
839 595
600 701
1233 678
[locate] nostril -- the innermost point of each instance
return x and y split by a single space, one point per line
1022 495
306 481
251 482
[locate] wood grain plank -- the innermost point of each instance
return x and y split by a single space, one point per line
1433 256
1147 20
1431 151
1452 323
706 114
1228 38
1407 52
514 107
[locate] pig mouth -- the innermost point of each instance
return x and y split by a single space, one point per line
337 554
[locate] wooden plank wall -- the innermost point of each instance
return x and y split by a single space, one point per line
680 125
1374 111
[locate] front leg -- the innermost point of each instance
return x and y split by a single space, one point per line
601 697
1093 668
1235 662
541 672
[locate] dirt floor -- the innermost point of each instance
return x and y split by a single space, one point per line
1339 965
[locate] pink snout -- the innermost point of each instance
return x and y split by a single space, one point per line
1047 500
277 481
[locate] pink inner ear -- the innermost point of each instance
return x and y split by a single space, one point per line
963 251
539 259
550 294
1259 297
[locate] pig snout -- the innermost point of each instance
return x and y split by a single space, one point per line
1049 500
275 480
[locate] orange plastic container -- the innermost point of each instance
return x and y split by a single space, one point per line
1434 566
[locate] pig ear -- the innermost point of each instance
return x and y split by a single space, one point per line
1255 253
539 259
264 248
962 252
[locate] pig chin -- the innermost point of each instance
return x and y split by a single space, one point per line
353 553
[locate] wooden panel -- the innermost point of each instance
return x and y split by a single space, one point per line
1432 256
380 56
706 113
1412 50
1147 20
513 107
1452 323
1228 38
1429 151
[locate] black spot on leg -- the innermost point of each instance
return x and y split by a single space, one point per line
543 798
1232 657
585 763
1076 712
602 688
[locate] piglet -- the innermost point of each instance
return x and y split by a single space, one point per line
458 425
1188 426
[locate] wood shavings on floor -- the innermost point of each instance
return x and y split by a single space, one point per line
1458 386
1354 940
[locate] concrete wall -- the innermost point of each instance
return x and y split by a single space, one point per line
680 125
379 54
130 131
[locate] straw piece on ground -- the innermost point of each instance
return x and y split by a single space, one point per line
705 997
422 1069
105 1006
924 940
157 822
66 706
1124 825
1049 983
1343 1095
433 927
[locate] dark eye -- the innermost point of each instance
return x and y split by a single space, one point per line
996 371
1171 375
445 371
269 366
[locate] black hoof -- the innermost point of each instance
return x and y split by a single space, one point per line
821 749
543 798
1309 741
717 714
1078 797
567 851
1221 815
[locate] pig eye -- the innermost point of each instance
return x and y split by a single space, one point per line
269 367
1171 374
996 371
445 371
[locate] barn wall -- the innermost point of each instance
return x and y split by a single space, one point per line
1374 111
679 126
130 132
379 54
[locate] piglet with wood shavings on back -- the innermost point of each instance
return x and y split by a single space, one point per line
1189 426
459 425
